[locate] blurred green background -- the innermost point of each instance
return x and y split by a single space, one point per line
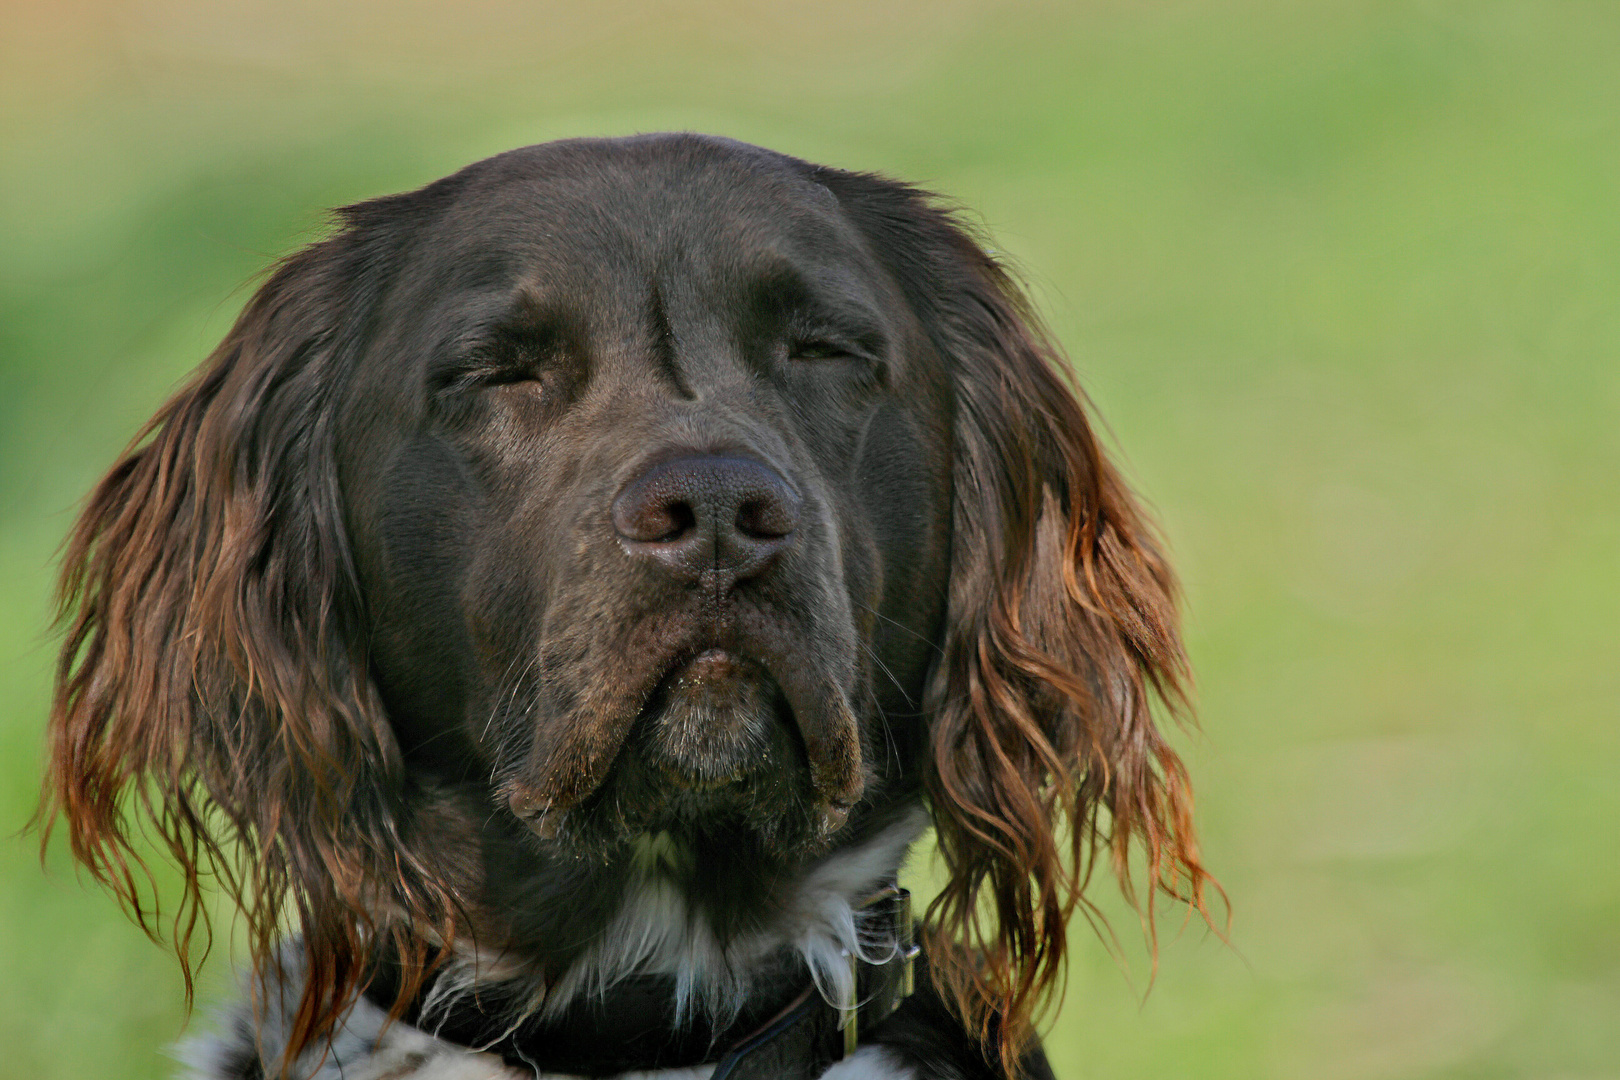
1343 277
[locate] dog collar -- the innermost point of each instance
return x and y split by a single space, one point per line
632 1028
811 1034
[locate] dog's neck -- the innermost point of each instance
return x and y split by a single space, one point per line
660 928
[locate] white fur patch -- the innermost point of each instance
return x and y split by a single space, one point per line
657 932
360 1049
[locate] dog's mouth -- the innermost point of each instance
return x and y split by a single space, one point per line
716 721
715 745
753 721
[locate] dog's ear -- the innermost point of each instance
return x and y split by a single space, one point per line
1060 634
212 690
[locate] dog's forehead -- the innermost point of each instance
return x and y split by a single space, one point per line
594 210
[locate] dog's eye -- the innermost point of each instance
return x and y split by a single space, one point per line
510 376
484 376
817 350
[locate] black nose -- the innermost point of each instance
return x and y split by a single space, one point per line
702 515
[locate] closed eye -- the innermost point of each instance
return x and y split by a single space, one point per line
481 372
818 350
528 343
506 376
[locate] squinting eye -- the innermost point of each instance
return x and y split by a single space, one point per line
816 350
512 376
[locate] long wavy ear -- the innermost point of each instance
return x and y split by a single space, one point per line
1060 632
212 688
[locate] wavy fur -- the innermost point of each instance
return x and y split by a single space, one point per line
1062 630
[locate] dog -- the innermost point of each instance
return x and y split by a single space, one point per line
568 592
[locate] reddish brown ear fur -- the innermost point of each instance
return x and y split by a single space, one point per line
210 691
1061 629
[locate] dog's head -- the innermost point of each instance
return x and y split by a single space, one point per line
614 488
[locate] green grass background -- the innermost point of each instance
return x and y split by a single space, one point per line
1343 276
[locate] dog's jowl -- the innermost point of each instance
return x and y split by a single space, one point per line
568 592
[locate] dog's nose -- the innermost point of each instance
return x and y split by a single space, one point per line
708 514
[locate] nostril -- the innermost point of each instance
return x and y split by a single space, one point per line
766 518
650 516
676 519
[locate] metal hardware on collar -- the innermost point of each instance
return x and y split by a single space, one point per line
849 1009
812 1033
881 996
910 950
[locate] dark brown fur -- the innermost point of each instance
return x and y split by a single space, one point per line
249 670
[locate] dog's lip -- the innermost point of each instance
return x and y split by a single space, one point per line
713 664
804 694
713 672
814 703
711 667
692 665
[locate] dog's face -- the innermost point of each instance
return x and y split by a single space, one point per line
647 475
610 488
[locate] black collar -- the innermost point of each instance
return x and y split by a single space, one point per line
785 1035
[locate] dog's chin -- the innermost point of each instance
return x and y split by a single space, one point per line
713 758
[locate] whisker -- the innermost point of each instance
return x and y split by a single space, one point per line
885 669
888 738
507 736
901 626
507 674
883 717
